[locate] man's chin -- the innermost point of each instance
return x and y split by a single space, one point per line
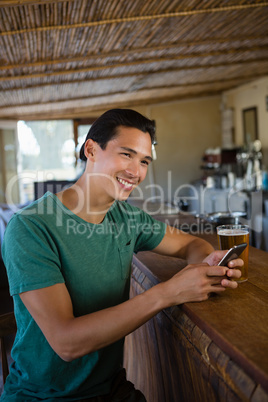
123 196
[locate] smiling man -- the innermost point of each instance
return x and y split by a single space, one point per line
68 258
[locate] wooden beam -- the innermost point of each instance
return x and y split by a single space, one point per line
235 80
41 63
70 113
127 64
174 14
14 3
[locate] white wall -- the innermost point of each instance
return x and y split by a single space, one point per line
246 96
185 129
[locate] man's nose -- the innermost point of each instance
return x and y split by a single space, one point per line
133 168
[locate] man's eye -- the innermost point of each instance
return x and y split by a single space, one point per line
126 154
145 163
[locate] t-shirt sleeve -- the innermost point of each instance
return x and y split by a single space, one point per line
30 256
150 232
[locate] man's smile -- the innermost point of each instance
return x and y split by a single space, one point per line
126 183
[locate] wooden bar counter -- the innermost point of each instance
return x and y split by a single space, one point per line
216 350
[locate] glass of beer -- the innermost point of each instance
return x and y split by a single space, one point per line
231 235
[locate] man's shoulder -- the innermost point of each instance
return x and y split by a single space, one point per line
35 211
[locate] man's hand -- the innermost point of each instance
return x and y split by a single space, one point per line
197 281
215 257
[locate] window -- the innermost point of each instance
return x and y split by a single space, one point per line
46 151
39 151
8 163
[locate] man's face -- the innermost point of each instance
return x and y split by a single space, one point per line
124 162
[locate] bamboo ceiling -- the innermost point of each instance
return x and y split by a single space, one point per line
70 58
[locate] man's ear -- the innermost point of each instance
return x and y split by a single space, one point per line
89 150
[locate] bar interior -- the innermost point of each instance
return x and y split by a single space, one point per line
199 70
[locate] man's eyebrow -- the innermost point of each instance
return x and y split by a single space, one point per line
135 152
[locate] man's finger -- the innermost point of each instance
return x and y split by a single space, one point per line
216 270
238 262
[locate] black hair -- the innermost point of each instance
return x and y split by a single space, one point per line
105 127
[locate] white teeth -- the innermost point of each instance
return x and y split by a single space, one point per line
124 182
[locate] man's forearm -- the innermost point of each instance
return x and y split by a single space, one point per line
183 245
198 250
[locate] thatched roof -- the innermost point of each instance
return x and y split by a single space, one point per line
68 58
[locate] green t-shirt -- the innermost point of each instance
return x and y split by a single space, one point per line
46 244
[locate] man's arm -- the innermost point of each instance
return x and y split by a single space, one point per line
72 337
194 250
179 244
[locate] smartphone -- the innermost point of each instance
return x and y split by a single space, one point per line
233 253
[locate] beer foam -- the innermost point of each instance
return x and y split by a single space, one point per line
233 232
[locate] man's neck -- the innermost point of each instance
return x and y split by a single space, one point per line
84 203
